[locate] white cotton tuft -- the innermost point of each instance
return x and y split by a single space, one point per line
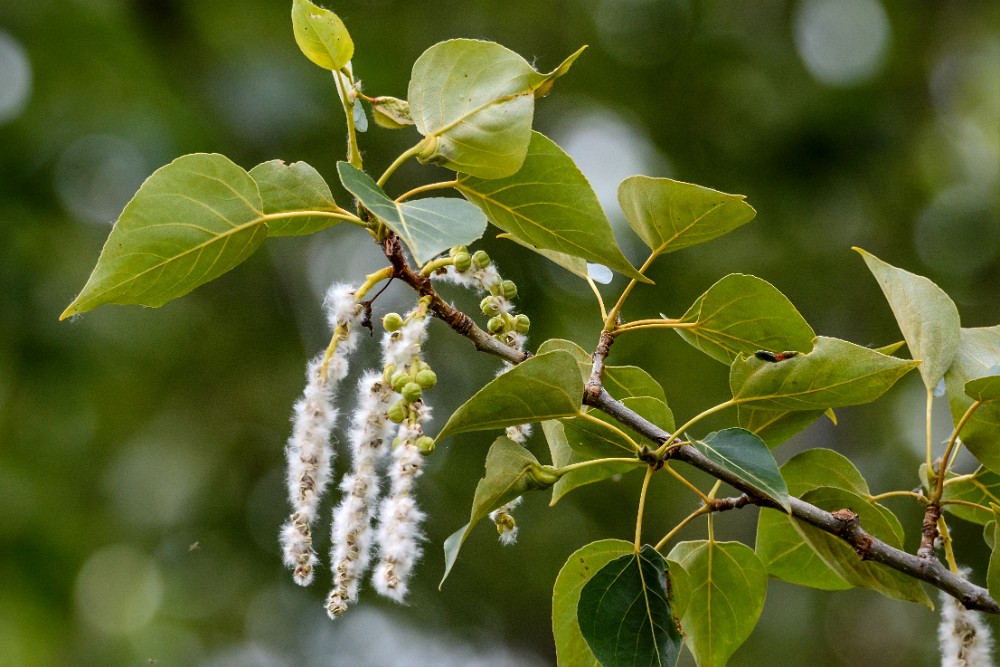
964 636
505 523
399 534
341 306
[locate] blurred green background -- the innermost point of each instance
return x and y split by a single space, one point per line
141 456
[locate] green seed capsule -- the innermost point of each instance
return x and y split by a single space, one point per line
455 251
426 379
508 289
522 324
496 289
481 259
425 444
392 322
495 325
463 262
399 380
412 392
490 306
397 412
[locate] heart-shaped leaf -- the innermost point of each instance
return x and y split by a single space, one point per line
294 187
834 374
427 226
670 215
189 223
473 102
728 584
548 204
978 352
321 35
546 386
926 315
745 455
741 314
511 470
840 557
584 563
624 613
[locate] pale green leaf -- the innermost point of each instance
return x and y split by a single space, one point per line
581 356
840 557
548 204
592 438
428 227
926 315
546 386
984 389
728 584
814 468
741 314
473 102
670 215
746 456
189 223
288 188
836 373
584 563
982 489
321 35
563 455
624 613
511 470
978 352
391 112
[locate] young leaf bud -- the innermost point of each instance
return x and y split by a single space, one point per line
426 379
463 262
522 324
509 289
424 444
397 412
392 322
495 325
481 259
412 392
490 305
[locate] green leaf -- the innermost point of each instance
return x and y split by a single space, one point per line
189 223
978 352
391 112
511 470
926 315
840 557
287 188
774 427
834 374
746 456
592 440
427 226
983 488
741 314
993 573
563 455
546 386
581 356
584 563
321 35
575 265
984 389
624 613
548 204
670 215
779 545
473 102
728 587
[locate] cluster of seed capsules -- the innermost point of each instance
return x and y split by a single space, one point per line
497 306
410 383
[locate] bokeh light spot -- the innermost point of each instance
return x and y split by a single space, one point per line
15 78
97 175
118 590
958 233
842 43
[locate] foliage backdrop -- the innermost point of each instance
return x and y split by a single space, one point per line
141 451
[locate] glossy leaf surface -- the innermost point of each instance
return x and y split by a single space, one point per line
321 35
746 456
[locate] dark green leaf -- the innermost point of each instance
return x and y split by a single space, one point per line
584 563
287 188
741 314
548 204
926 316
593 440
978 352
511 470
775 426
670 215
728 584
546 386
993 573
426 226
473 102
814 468
321 35
563 455
746 456
840 557
624 613
834 374
984 389
189 223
